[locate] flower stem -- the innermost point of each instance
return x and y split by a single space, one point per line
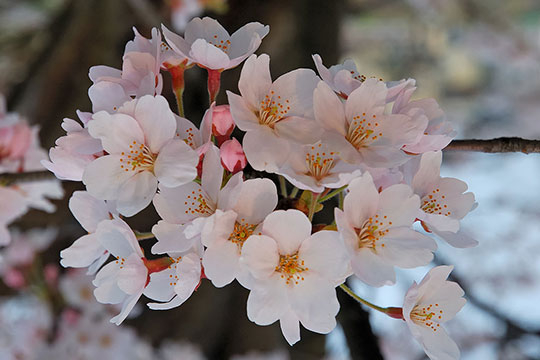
313 205
144 235
294 192
177 73
214 80
283 186
393 312
332 194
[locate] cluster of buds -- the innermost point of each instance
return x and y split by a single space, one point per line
339 134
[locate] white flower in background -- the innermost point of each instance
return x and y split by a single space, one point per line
438 132
74 151
318 166
139 140
342 78
443 201
295 274
273 113
376 229
368 135
87 250
227 230
427 305
124 280
170 350
13 206
187 207
210 46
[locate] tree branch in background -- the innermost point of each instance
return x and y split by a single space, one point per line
498 145
7 179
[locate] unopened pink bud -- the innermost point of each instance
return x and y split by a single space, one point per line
14 279
395 312
50 272
222 121
232 156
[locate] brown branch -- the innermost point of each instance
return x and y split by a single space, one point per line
16 178
498 145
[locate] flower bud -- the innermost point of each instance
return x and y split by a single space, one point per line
222 123
232 156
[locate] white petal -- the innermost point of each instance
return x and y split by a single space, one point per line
267 302
83 252
88 210
212 173
208 56
176 164
329 110
116 131
257 199
243 113
117 237
221 263
127 306
290 327
288 228
103 177
260 255
260 149
458 240
170 203
371 269
255 80
132 275
324 254
136 193
362 200
156 120
170 238
160 287
406 248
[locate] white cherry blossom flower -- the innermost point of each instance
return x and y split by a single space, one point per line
369 135
318 166
342 78
139 140
295 274
227 230
210 46
429 304
376 229
14 206
87 250
444 201
273 113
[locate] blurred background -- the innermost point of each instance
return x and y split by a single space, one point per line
479 58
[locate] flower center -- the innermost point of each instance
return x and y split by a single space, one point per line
362 132
319 163
197 203
139 158
272 110
241 232
371 231
220 44
428 316
290 268
434 203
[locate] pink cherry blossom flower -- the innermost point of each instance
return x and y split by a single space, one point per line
210 46
342 78
87 250
429 304
376 229
295 274
139 140
227 230
232 156
273 113
318 166
369 135
443 201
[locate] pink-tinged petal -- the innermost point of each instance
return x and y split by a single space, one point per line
189 273
212 173
440 222
176 164
132 275
433 281
260 255
289 228
218 227
107 291
329 110
5 236
88 210
458 204
65 165
136 193
156 120
345 83
299 129
346 231
104 177
257 199
175 302
13 204
205 28
406 248
170 238
297 87
371 269
107 96
127 306
369 98
267 301
399 204
260 149
100 71
170 203
242 38
459 240
188 132
228 196
83 252
323 71
428 173
176 42
362 200
116 131
159 288
221 263
255 82
437 344
117 237
315 303
290 327
383 156
96 265
208 56
242 113
325 255
232 156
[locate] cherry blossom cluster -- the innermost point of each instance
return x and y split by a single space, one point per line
336 135
20 152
